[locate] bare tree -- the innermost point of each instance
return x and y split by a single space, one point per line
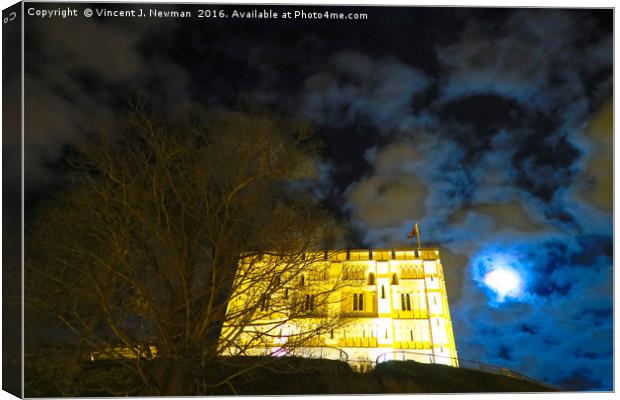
139 254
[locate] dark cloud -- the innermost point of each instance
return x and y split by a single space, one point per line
354 84
76 83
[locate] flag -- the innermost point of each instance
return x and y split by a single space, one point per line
414 232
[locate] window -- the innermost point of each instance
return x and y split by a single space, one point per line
331 334
411 335
407 272
309 303
358 302
354 272
302 280
405 302
383 291
435 300
286 293
371 278
318 275
394 279
264 304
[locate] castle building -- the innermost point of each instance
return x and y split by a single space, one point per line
361 305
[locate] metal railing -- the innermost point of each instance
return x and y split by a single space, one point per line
323 352
404 355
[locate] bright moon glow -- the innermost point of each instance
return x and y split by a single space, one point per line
504 281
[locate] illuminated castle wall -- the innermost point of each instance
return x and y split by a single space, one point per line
391 300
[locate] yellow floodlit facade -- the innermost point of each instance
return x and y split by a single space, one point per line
390 303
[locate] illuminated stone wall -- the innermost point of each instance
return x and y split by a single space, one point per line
391 301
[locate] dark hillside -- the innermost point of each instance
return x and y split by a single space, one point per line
307 376
290 376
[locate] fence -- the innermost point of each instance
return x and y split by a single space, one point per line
362 365
326 352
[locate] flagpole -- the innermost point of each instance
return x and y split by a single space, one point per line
417 231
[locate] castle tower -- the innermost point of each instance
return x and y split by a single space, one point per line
392 304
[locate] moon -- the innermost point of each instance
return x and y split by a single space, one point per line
504 281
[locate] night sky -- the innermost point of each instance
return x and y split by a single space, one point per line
490 128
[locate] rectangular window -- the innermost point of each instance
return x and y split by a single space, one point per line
408 302
383 291
309 303
355 302
361 302
402 301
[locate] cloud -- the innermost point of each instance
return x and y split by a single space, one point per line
353 86
596 182
74 82
502 215
393 193
533 59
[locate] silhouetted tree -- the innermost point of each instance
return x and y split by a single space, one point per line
143 245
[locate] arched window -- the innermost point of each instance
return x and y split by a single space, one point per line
394 279
302 280
371 278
